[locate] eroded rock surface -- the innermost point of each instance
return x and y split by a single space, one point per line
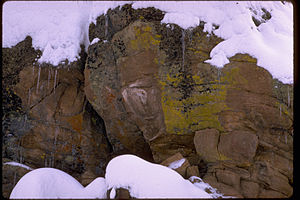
51 124
149 80
145 89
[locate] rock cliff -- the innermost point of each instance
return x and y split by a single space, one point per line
145 89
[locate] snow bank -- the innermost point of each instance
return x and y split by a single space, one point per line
143 180
147 180
53 183
58 28
18 164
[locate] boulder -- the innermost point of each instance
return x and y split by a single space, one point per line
249 189
121 193
178 163
192 171
239 146
206 144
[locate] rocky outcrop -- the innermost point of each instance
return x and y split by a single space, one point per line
149 81
145 89
51 124
178 163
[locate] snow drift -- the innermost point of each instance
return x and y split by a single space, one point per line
50 183
147 180
143 180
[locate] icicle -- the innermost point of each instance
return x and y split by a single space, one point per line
285 137
29 95
55 80
280 110
15 178
52 158
289 100
55 135
106 27
37 84
183 47
25 120
33 70
50 161
20 155
218 74
49 76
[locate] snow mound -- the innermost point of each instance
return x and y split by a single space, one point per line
50 183
147 180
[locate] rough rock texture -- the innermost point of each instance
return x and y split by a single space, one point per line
47 120
145 89
182 169
149 81
10 176
121 193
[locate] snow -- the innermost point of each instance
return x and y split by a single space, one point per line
176 164
18 164
58 28
53 183
143 180
147 180
95 40
271 43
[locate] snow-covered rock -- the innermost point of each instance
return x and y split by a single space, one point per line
52 183
58 28
147 180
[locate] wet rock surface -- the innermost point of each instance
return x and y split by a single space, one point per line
145 89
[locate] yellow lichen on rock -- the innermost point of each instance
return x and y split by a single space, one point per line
199 110
145 38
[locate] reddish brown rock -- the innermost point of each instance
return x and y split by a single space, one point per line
182 169
249 189
206 144
121 193
229 178
239 146
226 190
192 171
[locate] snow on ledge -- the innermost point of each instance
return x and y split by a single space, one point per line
176 164
18 164
58 28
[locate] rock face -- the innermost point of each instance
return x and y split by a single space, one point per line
145 89
149 81
178 163
51 124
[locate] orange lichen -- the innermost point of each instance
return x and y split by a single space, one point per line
76 122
